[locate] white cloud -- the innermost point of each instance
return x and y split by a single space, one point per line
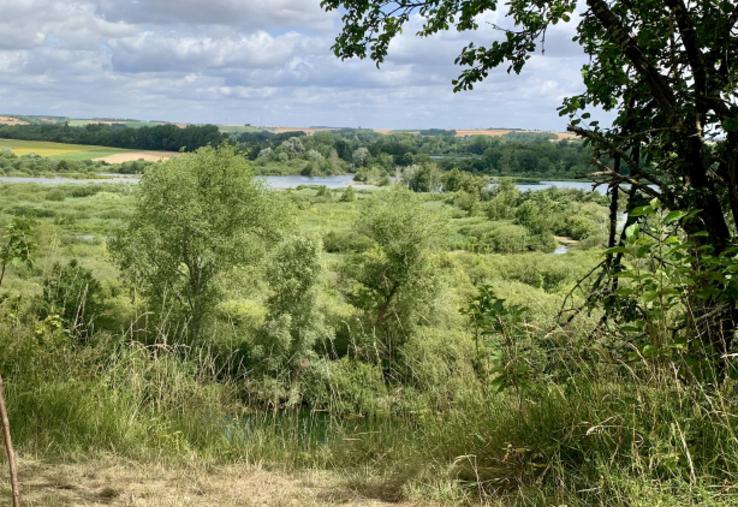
156 52
247 14
267 62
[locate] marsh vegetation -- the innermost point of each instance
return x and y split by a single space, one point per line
413 341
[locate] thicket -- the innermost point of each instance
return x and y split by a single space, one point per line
372 156
33 165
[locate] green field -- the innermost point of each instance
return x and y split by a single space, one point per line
59 151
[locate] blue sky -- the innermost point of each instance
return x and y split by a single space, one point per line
265 62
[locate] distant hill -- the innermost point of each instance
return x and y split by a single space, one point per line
11 119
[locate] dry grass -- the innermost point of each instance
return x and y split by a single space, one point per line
117 482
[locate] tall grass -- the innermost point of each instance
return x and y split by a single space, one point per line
581 431
593 440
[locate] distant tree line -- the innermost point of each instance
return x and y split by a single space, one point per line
159 137
362 151
368 153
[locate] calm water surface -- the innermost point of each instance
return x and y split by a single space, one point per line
275 182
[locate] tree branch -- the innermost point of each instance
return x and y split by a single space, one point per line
618 33
691 46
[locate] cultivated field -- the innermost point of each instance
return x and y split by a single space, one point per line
62 151
11 120
386 131
561 136
483 132
131 156
82 122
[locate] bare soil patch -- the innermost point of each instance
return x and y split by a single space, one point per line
148 156
565 136
565 240
115 482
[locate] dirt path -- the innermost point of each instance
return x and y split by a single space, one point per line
122 483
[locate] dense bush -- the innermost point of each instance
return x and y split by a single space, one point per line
345 242
505 237
72 293
393 282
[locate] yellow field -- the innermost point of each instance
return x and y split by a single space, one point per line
62 151
10 120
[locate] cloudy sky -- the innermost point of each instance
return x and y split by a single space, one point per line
265 62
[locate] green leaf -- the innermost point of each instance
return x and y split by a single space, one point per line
641 211
632 231
649 351
674 216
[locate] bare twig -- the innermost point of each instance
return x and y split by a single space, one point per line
14 490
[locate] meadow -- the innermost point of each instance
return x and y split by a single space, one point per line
504 407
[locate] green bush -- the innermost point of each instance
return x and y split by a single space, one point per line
505 237
73 293
345 242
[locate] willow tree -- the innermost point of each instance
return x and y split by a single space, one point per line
666 68
195 218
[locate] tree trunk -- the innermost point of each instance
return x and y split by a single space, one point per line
10 453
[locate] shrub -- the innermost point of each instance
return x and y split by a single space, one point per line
345 242
73 293
284 346
348 195
394 282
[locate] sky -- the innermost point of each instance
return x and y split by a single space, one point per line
263 62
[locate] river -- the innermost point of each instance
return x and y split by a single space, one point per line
275 182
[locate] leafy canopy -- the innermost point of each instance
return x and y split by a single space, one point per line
196 217
668 70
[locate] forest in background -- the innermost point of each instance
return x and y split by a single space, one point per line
369 154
